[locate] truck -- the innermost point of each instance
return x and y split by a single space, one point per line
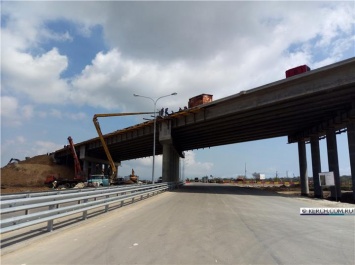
98 180
58 182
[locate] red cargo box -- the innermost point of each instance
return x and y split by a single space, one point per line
199 100
297 70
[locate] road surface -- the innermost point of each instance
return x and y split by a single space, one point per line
201 224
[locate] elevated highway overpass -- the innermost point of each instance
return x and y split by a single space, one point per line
304 108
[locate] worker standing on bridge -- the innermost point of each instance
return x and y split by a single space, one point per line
166 112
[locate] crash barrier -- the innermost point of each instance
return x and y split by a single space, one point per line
35 208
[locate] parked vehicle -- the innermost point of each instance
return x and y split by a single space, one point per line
56 182
98 180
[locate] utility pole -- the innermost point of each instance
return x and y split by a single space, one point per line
155 124
245 171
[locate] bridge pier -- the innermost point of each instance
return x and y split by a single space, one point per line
316 166
333 163
171 161
351 144
303 168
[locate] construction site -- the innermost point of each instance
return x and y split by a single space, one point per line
42 173
30 174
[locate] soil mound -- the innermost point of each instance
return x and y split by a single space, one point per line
32 172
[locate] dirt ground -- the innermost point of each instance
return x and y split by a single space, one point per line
346 196
29 175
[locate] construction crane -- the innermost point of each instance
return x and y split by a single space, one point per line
79 173
113 177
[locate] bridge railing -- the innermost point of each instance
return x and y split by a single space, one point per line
23 210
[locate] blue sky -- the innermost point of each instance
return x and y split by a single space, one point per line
63 62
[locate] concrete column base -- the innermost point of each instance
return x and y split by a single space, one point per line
171 163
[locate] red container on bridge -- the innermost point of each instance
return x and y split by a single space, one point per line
297 70
199 100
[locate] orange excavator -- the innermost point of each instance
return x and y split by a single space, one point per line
113 177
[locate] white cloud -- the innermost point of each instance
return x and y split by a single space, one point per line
224 49
12 114
27 111
20 147
78 116
43 147
9 106
194 167
36 77
56 113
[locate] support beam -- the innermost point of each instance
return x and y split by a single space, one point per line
303 168
333 162
351 143
316 166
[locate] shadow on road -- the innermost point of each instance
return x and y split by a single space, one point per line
212 188
224 189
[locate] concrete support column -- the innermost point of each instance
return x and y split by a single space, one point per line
171 161
117 164
351 144
333 162
91 167
302 157
86 167
316 166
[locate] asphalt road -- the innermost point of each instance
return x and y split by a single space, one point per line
201 224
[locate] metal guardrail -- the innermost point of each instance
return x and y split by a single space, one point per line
23 210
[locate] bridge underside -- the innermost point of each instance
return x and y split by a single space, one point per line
297 118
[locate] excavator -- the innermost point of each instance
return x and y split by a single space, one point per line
13 160
113 176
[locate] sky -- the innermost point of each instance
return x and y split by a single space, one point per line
62 62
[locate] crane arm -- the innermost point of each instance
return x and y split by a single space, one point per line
102 139
78 172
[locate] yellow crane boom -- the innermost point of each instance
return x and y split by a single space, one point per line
102 139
